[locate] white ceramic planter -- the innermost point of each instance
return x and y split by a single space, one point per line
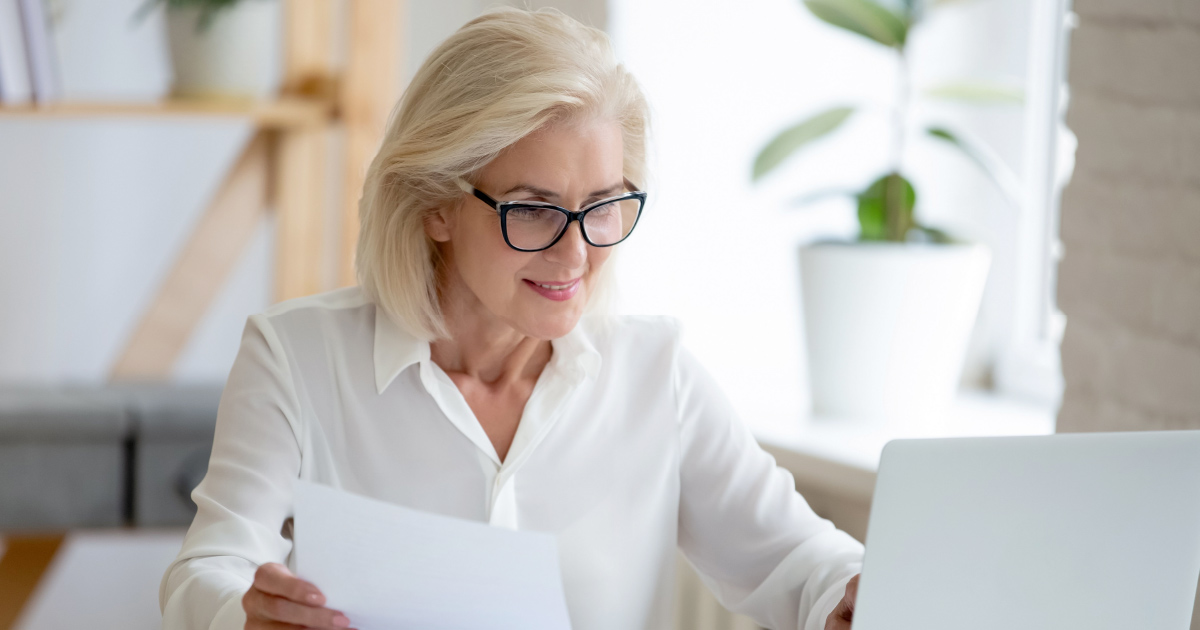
240 55
887 327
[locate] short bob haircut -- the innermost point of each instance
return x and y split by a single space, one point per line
502 76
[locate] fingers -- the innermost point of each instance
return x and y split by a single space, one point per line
852 591
835 623
842 615
266 607
275 579
259 624
278 600
838 619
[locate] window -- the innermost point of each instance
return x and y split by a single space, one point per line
723 78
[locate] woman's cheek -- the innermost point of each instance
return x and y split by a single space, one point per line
597 258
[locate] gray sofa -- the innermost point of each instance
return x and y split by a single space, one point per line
83 456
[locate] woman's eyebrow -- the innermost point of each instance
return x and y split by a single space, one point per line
549 194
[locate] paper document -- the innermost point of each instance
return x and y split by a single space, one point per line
392 568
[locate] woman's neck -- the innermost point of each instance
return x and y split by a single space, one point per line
482 346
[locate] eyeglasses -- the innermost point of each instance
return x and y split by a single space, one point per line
531 226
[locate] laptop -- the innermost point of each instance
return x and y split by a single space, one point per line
1096 531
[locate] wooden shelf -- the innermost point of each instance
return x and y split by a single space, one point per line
289 166
286 112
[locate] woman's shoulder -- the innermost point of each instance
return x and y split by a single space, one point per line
635 337
335 300
339 312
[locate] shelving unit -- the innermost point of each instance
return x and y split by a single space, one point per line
284 166
282 113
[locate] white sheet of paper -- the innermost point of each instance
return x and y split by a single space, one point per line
389 567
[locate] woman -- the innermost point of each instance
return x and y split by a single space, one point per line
462 377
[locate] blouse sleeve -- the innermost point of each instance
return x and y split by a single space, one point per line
245 497
752 538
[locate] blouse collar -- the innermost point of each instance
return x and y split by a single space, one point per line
396 349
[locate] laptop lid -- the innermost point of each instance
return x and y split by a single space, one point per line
1098 531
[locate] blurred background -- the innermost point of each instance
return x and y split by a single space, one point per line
875 219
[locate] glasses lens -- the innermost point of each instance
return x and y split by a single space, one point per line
531 227
611 222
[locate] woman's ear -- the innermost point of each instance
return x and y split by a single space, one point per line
439 224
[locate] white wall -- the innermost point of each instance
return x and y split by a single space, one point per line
93 215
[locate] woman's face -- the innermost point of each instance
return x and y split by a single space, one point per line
538 294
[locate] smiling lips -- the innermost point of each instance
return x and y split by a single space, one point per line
558 292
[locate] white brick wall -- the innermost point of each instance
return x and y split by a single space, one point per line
1124 141
1129 281
1150 12
1130 278
1139 63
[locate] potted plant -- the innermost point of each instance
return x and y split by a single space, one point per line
888 317
225 48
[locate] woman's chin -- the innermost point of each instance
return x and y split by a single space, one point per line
552 325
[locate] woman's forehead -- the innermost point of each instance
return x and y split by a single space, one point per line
564 159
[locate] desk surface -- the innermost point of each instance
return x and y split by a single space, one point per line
100 580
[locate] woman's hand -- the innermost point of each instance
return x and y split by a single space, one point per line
279 600
840 618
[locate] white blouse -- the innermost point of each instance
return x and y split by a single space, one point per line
626 450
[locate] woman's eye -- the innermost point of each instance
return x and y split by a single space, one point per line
527 214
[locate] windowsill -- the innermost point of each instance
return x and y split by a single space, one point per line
842 456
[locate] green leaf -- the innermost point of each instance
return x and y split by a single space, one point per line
864 17
987 161
796 136
885 209
980 92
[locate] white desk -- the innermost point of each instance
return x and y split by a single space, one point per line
95 579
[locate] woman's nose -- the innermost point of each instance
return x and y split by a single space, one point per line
571 250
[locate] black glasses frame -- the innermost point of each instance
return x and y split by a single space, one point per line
503 208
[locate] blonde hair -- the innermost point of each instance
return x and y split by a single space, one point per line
500 77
